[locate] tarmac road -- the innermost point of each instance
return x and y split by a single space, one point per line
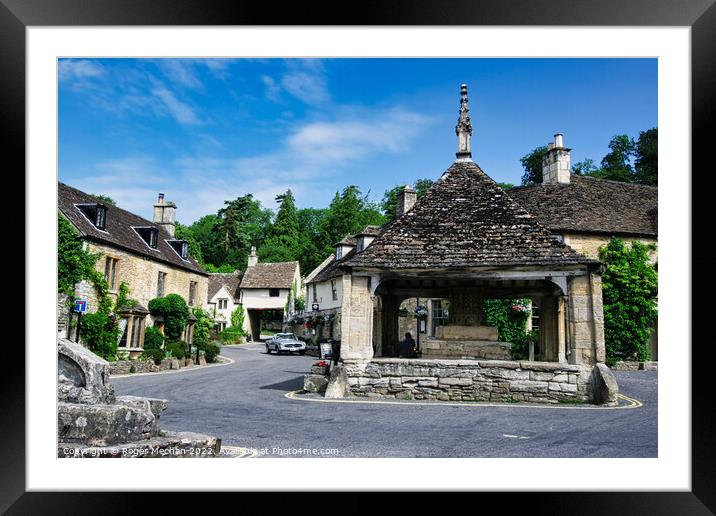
245 404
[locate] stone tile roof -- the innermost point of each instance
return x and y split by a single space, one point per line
369 231
119 232
232 281
347 240
333 268
465 220
590 205
269 275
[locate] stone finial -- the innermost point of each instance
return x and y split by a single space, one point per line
253 259
556 162
463 129
405 201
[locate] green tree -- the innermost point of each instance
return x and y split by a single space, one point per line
206 234
616 165
183 232
282 241
243 223
505 186
105 199
585 167
532 164
389 203
310 222
646 164
74 263
349 213
629 293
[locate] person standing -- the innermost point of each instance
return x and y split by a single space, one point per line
407 347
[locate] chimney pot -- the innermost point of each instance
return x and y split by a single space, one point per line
559 140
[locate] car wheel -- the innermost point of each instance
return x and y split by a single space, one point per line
302 352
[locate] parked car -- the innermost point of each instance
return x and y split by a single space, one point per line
285 342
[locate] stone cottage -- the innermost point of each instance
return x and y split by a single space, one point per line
467 240
144 254
262 287
586 213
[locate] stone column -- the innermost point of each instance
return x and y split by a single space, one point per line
595 284
561 330
587 324
356 320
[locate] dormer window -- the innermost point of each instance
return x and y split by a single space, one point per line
181 247
149 235
95 213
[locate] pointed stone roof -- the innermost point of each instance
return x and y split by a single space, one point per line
465 220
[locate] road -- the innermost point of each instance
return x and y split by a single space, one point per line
244 404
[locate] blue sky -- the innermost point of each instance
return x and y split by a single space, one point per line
206 130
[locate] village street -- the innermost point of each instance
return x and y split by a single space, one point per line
245 404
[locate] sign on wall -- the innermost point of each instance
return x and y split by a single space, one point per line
80 306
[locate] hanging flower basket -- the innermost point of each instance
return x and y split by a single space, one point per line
520 308
421 312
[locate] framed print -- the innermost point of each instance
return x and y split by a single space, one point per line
197 148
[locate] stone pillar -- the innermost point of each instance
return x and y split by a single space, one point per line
561 330
586 328
356 320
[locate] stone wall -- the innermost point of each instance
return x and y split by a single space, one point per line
141 274
589 245
468 380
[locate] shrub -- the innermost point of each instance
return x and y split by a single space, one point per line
100 332
157 355
173 309
179 349
231 335
511 325
202 327
153 338
211 351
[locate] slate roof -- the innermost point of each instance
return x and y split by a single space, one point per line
590 205
232 280
465 220
269 275
119 232
369 231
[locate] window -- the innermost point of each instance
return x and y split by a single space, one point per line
440 314
223 304
149 235
95 213
137 332
161 279
181 247
334 290
315 294
110 272
535 316
274 292
192 293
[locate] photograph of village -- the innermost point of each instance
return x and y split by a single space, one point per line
343 258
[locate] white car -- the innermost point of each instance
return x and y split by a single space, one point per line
285 342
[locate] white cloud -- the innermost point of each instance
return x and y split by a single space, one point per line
181 112
180 72
79 73
273 90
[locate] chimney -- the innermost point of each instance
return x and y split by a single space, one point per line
406 198
165 215
555 164
253 259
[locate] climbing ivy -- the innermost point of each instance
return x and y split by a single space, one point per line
511 324
629 293
74 263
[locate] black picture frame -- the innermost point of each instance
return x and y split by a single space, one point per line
17 15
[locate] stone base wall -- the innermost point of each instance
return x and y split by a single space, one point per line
468 380
455 349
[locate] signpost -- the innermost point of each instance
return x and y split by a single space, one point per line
80 308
